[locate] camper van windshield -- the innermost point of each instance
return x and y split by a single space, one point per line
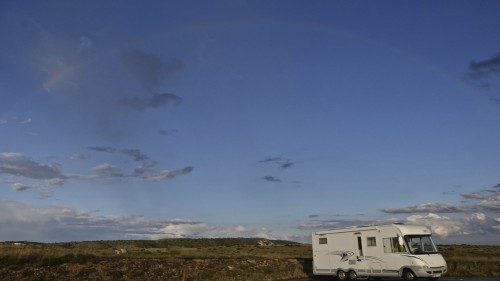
420 244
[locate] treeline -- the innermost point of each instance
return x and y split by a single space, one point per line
179 242
217 242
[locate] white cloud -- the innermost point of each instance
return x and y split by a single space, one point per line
475 224
212 231
491 203
439 225
105 167
20 187
473 195
50 223
77 156
427 207
19 165
26 121
53 182
2 121
166 174
478 217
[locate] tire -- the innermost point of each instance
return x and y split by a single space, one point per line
408 275
352 275
341 275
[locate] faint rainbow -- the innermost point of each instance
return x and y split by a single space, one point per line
60 74
329 28
436 70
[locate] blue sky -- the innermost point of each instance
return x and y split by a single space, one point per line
146 120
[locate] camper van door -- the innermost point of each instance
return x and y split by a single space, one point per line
360 263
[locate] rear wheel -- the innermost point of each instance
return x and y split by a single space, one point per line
352 275
341 275
408 275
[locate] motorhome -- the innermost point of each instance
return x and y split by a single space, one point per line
377 251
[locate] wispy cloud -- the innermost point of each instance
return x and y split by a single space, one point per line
108 149
167 174
26 121
481 70
78 156
484 68
444 227
281 162
271 178
487 200
334 223
106 168
473 195
149 69
153 100
145 171
73 71
167 132
23 173
478 215
270 159
476 218
58 223
426 208
136 154
492 203
20 187
18 165
476 223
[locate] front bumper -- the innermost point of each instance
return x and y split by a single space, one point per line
430 271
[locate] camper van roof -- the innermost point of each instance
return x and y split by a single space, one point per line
405 229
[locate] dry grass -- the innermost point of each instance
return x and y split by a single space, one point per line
209 259
476 261
128 260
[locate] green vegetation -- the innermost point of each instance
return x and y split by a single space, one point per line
195 259
474 261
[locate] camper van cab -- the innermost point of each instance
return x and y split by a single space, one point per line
392 250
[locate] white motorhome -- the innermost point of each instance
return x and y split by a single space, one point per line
391 250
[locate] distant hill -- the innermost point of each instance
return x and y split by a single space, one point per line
214 242
177 242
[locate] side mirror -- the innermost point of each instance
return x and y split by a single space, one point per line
401 241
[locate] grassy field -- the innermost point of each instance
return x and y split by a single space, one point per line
195 259
468 260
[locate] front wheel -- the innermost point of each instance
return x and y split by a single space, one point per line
408 275
341 275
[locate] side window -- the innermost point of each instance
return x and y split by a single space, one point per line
371 241
391 245
323 240
396 248
387 245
